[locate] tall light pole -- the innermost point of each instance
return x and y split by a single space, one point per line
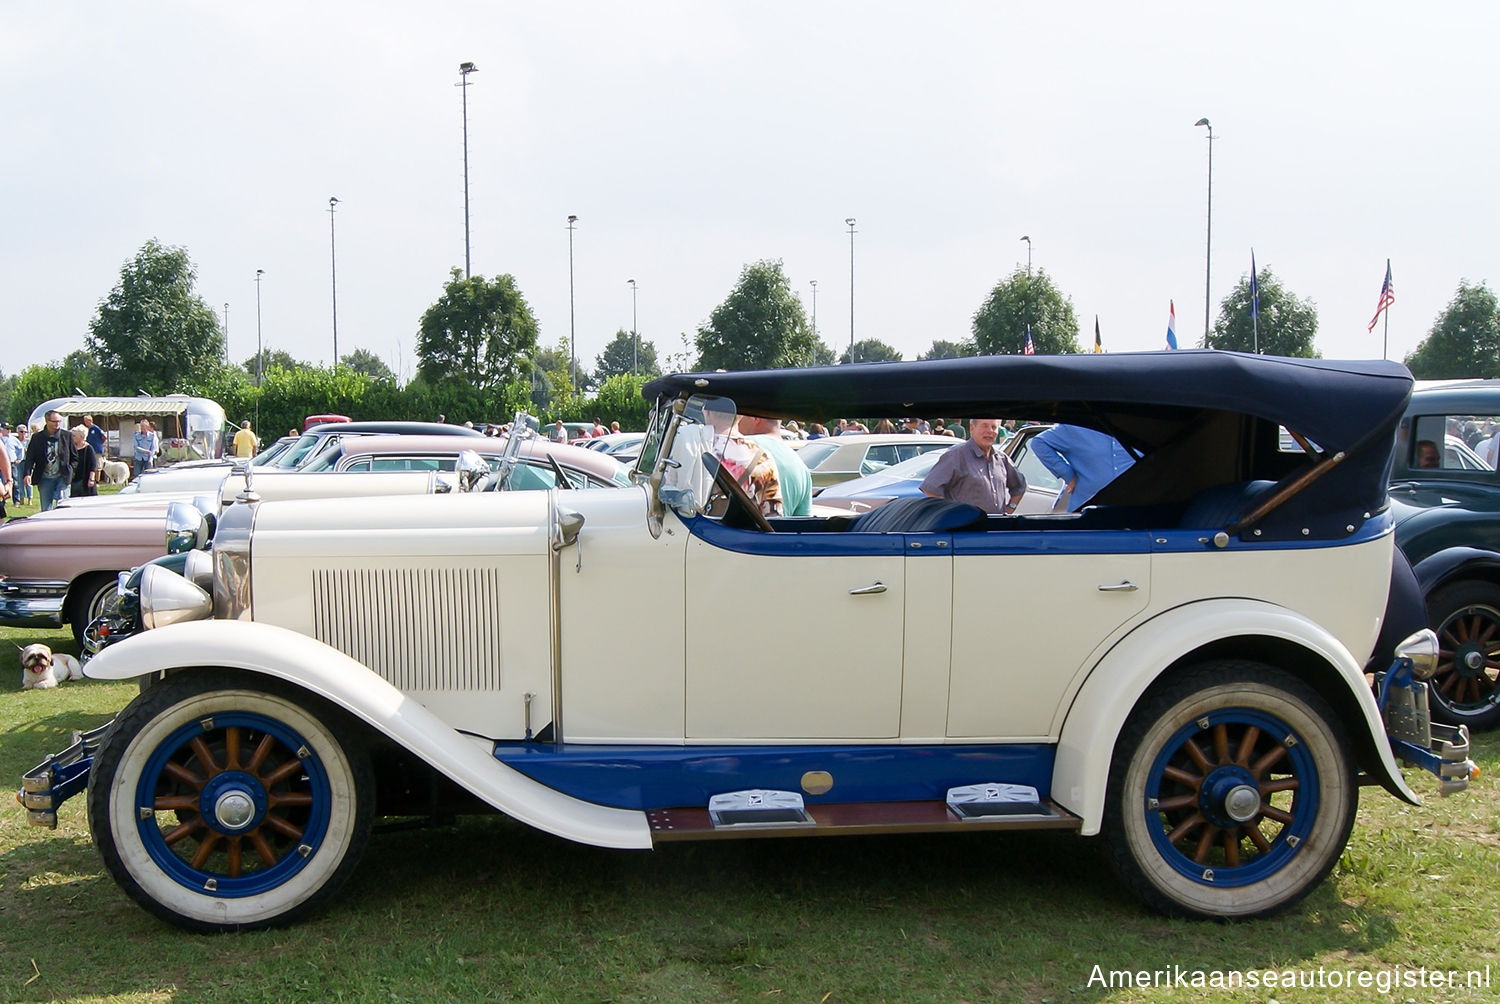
814 284
850 221
1028 256
572 326
333 273
1209 254
635 337
464 69
226 334
260 357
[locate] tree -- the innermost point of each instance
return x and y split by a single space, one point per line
479 332
869 350
942 349
550 378
1287 324
366 362
622 353
1464 341
822 354
273 359
1023 300
760 325
153 332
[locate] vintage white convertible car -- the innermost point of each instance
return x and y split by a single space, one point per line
1179 667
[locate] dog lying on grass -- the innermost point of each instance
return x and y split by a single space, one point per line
41 669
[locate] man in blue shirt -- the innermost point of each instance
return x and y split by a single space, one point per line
95 435
1085 459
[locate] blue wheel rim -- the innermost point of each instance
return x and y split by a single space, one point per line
281 804
1209 748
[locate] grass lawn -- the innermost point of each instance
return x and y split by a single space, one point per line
491 910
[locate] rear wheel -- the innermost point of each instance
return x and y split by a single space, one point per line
1232 793
1466 686
220 802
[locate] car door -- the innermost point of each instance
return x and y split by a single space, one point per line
1029 609
793 636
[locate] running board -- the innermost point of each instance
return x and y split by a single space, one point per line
853 819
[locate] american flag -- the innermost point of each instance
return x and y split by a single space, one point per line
1387 295
1030 349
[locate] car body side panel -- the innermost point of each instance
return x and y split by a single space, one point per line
1098 712
328 673
1033 619
622 641
460 622
753 675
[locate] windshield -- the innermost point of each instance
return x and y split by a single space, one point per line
703 436
816 453
297 452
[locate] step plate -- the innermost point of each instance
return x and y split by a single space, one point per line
852 818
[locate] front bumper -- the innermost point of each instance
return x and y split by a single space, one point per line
59 777
32 604
1441 750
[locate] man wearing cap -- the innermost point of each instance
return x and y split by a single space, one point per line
977 473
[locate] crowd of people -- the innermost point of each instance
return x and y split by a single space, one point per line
49 463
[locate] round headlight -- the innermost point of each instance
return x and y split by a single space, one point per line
168 598
1422 649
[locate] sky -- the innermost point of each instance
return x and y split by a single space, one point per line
691 139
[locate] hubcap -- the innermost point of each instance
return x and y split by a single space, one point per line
1242 803
234 810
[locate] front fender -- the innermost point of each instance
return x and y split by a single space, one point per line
1098 712
1442 567
333 676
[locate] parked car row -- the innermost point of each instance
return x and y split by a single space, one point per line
1179 668
60 567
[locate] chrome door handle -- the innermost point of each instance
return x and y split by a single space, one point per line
1124 587
878 587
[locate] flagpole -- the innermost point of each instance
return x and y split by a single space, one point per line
1385 343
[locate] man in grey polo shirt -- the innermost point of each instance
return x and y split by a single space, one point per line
977 473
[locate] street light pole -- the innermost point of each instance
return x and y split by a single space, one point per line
226 334
1209 254
850 221
635 337
464 69
260 356
814 284
333 272
572 326
1028 256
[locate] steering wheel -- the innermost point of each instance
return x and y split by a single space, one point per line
737 493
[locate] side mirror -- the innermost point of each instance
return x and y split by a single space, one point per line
569 523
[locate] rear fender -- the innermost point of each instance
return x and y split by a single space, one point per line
1115 686
333 676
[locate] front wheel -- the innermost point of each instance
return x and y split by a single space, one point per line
1465 689
1231 793
220 802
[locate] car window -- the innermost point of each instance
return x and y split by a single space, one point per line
362 465
1469 442
878 458
528 477
815 454
1037 475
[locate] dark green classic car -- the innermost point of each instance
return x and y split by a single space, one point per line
1445 494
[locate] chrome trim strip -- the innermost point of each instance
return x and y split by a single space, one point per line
554 569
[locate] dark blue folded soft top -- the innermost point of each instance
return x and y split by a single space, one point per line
1196 418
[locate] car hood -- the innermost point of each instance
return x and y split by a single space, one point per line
1409 499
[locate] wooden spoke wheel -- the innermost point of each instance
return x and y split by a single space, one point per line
1232 793
1465 690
